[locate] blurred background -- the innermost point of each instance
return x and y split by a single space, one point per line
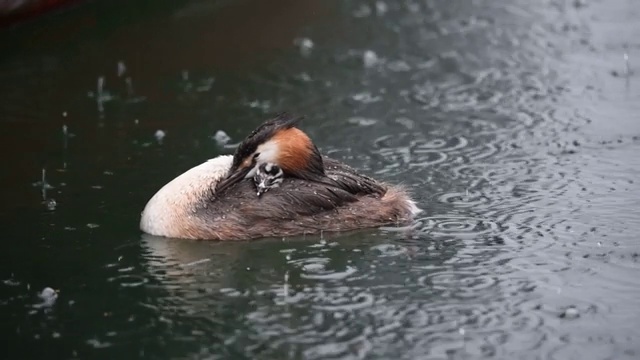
514 124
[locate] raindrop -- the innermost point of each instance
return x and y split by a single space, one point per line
221 138
361 121
101 95
121 68
97 344
48 293
263 105
48 297
366 98
160 134
381 7
570 313
51 204
304 77
406 122
370 59
627 66
44 186
305 45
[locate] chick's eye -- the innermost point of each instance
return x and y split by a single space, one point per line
255 156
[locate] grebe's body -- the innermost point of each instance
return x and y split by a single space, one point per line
307 193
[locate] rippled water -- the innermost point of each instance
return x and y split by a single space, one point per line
515 126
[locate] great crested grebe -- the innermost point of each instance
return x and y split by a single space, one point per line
276 184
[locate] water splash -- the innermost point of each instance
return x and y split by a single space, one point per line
160 135
305 45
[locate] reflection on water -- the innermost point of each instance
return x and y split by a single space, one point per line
513 124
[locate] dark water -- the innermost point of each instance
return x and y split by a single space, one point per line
516 124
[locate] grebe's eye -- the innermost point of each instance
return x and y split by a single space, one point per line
254 159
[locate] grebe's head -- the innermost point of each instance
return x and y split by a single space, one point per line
280 142
267 176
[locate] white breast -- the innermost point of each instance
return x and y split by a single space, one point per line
168 210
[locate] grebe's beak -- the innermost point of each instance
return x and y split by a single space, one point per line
231 179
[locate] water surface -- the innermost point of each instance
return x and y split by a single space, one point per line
514 124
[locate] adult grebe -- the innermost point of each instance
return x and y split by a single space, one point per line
308 193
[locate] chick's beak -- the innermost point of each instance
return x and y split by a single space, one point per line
235 176
262 188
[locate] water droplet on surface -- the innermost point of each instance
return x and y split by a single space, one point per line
48 297
370 59
97 344
313 267
51 204
305 45
361 121
263 105
366 98
221 138
304 77
570 313
160 134
381 7
48 293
